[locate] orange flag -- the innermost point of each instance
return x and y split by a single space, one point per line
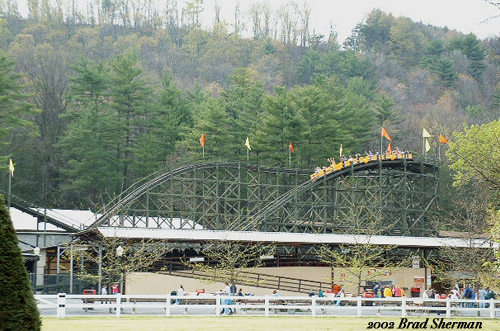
385 134
202 140
442 139
292 148
389 149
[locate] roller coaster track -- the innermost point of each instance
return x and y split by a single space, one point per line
140 187
134 192
39 212
281 188
316 181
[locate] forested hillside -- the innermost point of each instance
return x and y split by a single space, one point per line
92 101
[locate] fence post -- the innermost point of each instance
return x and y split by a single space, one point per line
217 305
61 305
118 304
403 306
359 306
313 306
448 308
492 308
168 306
266 306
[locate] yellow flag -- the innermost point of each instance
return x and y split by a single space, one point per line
425 134
247 144
427 145
11 167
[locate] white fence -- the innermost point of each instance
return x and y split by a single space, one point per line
62 305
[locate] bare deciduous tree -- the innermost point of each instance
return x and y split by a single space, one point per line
117 257
470 220
231 261
362 260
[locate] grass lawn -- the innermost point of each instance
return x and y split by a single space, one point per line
233 323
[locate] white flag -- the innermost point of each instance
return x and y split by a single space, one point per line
11 167
427 145
425 134
247 144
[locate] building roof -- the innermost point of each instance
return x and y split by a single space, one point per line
77 219
291 238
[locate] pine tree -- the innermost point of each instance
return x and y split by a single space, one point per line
89 142
131 100
322 128
243 100
13 107
170 116
355 117
433 53
472 49
476 55
384 106
280 124
18 309
444 69
308 66
211 119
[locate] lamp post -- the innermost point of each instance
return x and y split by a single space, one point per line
36 251
119 253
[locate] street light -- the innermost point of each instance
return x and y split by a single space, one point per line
36 251
119 253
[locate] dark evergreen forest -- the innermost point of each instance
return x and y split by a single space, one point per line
92 101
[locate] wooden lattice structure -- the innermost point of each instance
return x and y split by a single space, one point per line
242 196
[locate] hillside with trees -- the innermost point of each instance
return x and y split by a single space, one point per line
93 100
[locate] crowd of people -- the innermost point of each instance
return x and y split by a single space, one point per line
337 291
229 290
379 291
467 292
114 289
388 291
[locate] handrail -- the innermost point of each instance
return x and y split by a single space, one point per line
262 280
63 222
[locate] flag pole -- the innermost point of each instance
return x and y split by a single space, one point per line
423 146
381 137
248 152
10 187
289 157
203 149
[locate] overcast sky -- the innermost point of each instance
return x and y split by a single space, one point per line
462 15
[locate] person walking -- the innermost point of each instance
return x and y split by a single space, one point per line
340 295
180 293
226 292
